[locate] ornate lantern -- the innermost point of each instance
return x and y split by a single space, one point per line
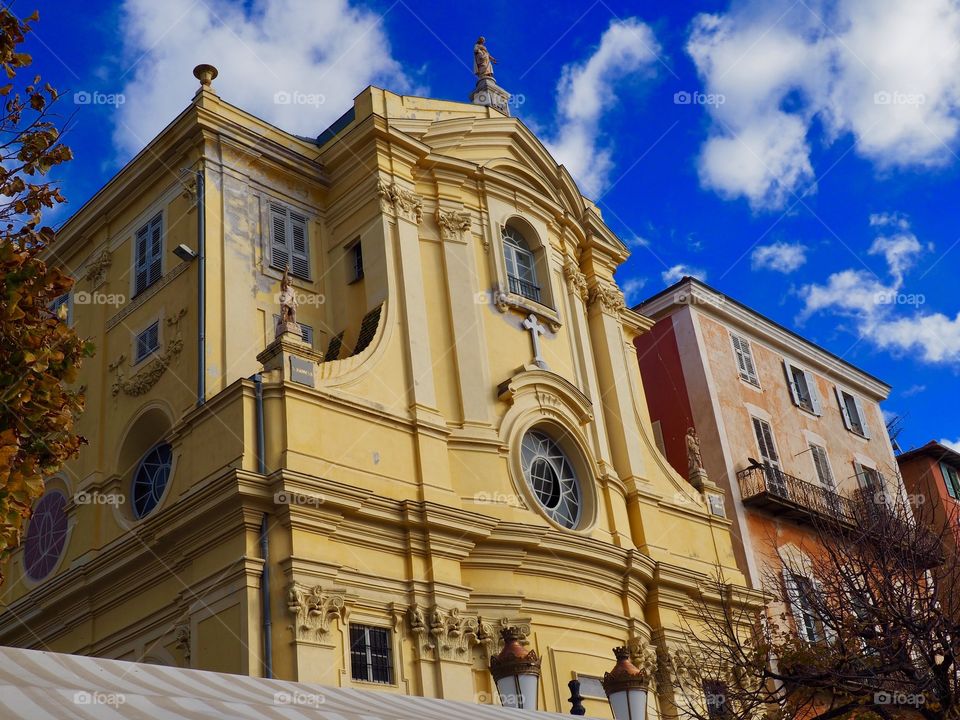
626 687
516 672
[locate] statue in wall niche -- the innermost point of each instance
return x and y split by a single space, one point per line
288 306
483 62
694 460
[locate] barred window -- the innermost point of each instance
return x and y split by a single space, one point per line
370 656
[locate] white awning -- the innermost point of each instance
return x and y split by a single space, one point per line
37 685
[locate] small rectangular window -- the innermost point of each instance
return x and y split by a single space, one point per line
289 241
951 476
803 388
148 254
63 302
851 408
355 256
869 478
744 357
306 331
148 341
371 659
715 694
800 594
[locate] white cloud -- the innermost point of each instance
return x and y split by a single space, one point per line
885 71
585 91
884 311
952 444
678 272
327 52
780 256
913 390
631 289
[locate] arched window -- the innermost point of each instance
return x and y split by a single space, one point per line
46 535
150 479
521 265
550 475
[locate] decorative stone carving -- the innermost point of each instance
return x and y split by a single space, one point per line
147 376
576 279
405 203
181 640
609 297
453 224
644 656
448 634
97 269
287 323
314 608
694 459
501 300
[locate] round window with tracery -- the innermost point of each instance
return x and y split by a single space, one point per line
550 475
46 535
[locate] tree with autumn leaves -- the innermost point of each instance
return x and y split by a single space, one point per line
39 353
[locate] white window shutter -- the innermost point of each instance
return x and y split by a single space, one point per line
141 263
738 354
829 633
814 393
788 369
156 249
863 416
299 251
861 476
279 241
843 408
793 600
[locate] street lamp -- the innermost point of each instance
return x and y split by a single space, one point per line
516 672
626 688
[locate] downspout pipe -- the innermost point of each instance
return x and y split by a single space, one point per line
264 537
201 290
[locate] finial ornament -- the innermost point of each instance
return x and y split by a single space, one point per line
206 74
483 61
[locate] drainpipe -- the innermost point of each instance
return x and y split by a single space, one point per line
201 290
264 539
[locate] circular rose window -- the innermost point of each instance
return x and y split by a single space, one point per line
150 479
46 535
551 477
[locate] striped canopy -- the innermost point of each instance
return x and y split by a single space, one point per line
37 685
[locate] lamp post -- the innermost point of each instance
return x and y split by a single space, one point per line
626 688
516 672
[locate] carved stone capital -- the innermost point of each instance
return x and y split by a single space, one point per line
576 279
609 297
97 269
314 608
181 640
453 223
448 634
405 203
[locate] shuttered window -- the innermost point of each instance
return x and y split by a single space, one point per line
63 302
289 242
768 452
745 365
799 594
803 388
370 656
824 474
148 341
148 254
951 476
851 408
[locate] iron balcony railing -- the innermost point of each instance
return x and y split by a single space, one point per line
771 487
524 287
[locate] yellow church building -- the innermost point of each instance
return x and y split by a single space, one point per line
435 429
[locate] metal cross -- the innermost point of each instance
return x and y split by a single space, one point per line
536 330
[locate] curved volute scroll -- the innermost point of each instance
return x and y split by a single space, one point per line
548 392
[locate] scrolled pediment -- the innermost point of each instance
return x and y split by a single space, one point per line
550 391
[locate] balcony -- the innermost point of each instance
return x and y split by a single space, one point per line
778 493
524 288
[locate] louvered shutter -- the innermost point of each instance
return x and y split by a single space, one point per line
814 393
843 408
829 632
141 264
300 257
156 249
823 467
279 241
788 370
765 441
863 416
792 592
951 479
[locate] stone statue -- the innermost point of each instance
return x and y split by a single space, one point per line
483 62
288 306
694 460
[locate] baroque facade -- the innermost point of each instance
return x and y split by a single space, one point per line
449 437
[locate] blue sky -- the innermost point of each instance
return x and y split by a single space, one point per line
801 156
